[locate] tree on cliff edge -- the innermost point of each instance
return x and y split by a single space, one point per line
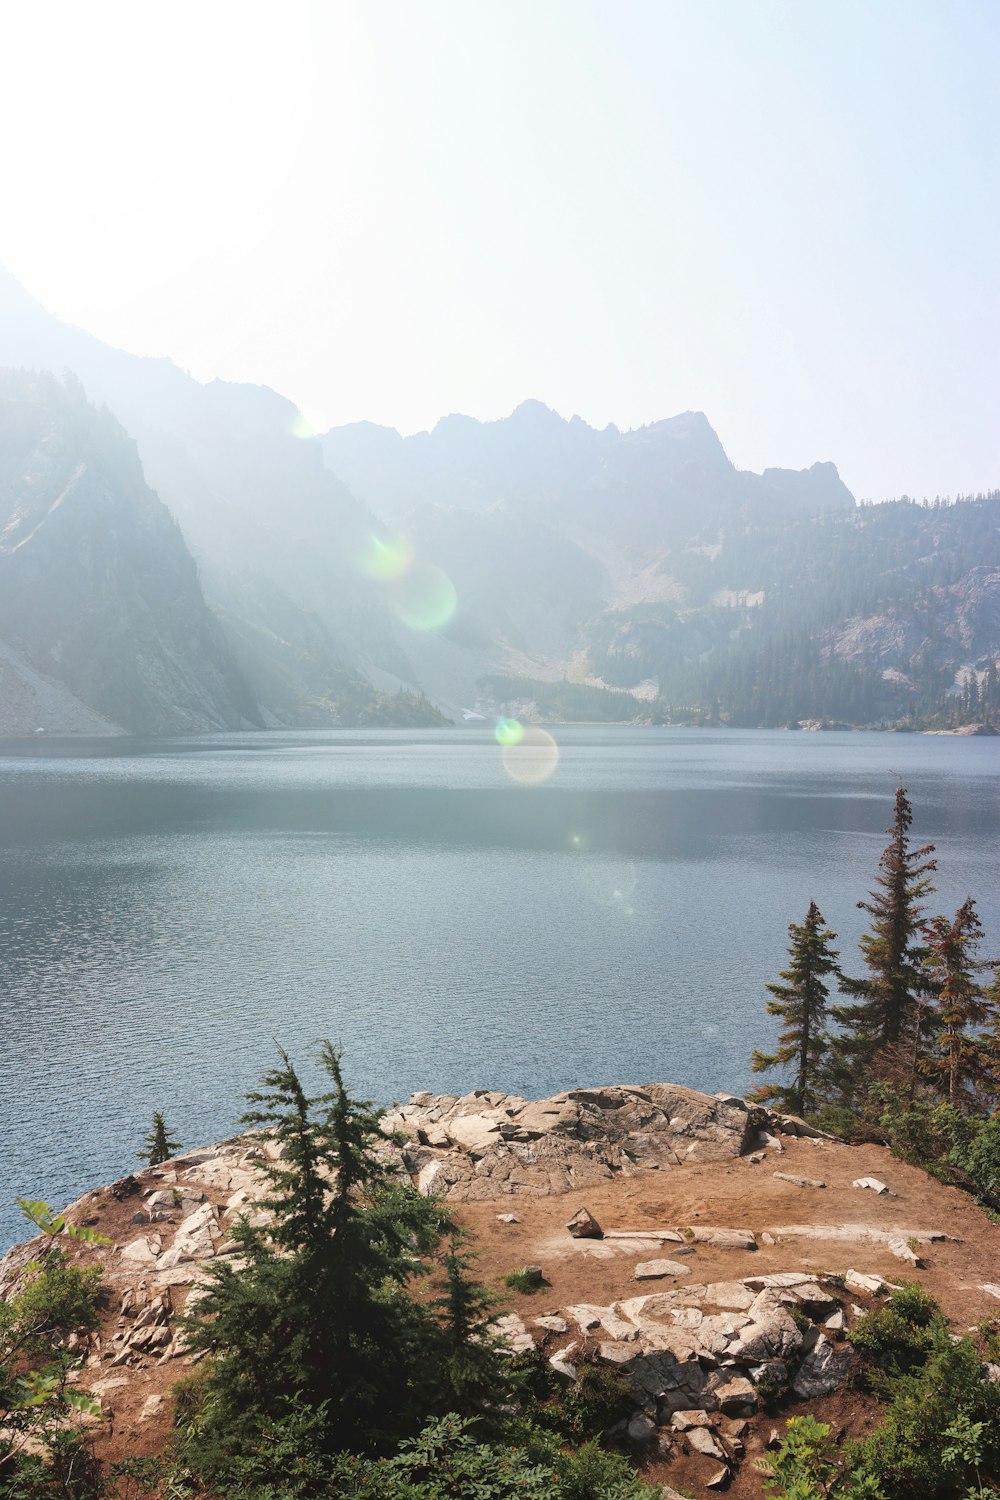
319 1313
879 1027
157 1146
801 1002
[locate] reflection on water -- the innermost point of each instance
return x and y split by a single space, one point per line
169 908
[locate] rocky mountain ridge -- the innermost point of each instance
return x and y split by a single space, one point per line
498 561
713 1252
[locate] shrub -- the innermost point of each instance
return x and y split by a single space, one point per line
978 1154
941 1433
524 1280
600 1397
60 1299
897 1338
806 1467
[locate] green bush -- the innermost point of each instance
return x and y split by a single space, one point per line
941 1434
978 1154
806 1467
60 1299
524 1281
897 1338
597 1399
446 1461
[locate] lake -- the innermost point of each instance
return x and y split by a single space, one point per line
171 909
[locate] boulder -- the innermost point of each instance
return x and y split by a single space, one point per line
872 1284
737 1398
775 1336
583 1226
824 1368
641 1428
683 1421
703 1440
729 1294
474 1133
561 1363
513 1335
721 1239
653 1270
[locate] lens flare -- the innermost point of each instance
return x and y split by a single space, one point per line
385 558
301 428
423 597
509 732
533 759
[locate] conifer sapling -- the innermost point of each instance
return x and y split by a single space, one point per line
801 1003
158 1145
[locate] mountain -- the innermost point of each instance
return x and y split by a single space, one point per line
537 560
103 626
548 526
641 487
275 535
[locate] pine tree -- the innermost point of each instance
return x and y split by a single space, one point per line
471 1370
888 1009
801 1002
158 1145
963 1007
318 1312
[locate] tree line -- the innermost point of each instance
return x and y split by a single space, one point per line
913 1047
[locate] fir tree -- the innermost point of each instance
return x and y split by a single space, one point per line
471 1370
888 1008
801 1003
319 1312
158 1145
963 1008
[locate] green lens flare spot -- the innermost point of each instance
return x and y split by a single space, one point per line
385 558
509 732
424 597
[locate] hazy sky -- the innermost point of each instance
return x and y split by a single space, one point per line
785 213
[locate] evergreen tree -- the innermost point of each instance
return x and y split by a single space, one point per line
888 1009
318 1312
158 1145
471 1371
963 1007
801 1002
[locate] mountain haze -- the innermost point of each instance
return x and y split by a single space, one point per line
532 559
97 590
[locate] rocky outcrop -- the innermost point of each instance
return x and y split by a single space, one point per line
710 1324
484 1144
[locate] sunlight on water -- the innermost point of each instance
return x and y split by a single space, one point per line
169 909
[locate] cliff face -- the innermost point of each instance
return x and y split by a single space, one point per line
99 595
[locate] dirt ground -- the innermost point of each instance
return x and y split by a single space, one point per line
733 1194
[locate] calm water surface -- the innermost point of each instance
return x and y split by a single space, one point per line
169 909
